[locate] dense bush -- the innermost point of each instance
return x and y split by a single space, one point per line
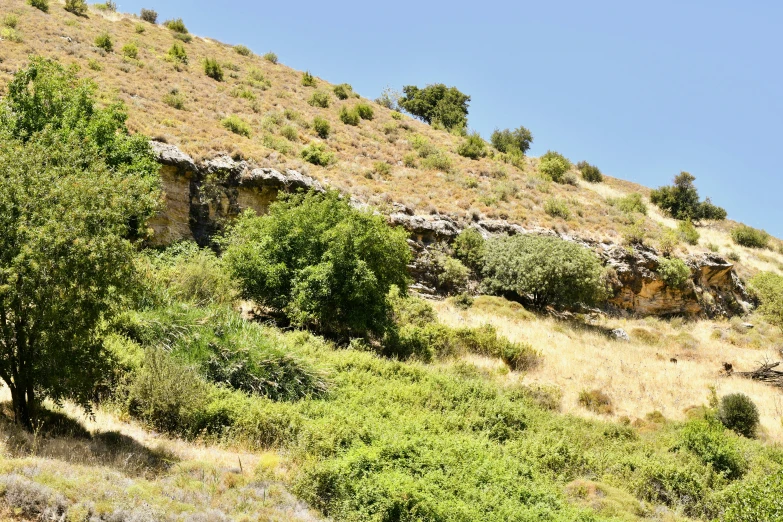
343 91
738 413
177 53
469 248
174 99
687 232
364 111
554 165
322 127
237 125
674 272
438 160
557 208
707 440
631 203
176 25
349 116
270 57
596 401
323 264
436 103
543 270
148 15
77 7
590 173
317 154
213 69
43 5
750 237
319 99
308 80
681 200
453 275
242 50
130 50
769 289
290 133
103 41
507 140
473 147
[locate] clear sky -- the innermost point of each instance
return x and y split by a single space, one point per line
643 90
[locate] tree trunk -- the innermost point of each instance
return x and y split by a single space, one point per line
22 407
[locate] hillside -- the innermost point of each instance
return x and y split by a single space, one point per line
325 392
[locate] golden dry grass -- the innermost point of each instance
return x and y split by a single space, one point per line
638 375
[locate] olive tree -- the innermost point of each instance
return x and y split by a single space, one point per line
75 189
436 104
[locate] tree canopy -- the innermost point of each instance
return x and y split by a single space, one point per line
436 104
681 200
507 140
75 187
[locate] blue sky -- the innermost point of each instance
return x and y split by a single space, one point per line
643 90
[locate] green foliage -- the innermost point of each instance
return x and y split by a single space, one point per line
11 21
42 5
11 35
103 41
557 208
687 232
365 111
554 165
436 103
674 272
319 99
382 168
596 401
507 140
396 115
290 133
410 160
750 237
139 28
323 264
708 441
178 53
469 248
349 116
130 50
176 25
769 288
77 7
738 413
343 91
213 69
437 161
183 37
174 99
453 275
590 173
631 203
753 501
308 80
270 57
544 270
242 50
317 154
667 242
322 127
149 15
473 147
75 190
681 200
236 125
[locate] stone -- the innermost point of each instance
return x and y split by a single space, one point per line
620 335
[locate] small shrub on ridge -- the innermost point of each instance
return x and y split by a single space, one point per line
750 237
42 5
103 41
148 15
176 25
319 99
322 127
308 80
77 7
237 125
213 69
317 154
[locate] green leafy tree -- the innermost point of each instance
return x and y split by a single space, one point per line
474 146
674 272
75 188
323 264
507 140
681 200
469 247
545 270
436 104
738 413
554 165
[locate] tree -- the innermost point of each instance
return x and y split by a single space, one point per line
545 270
323 264
436 104
75 189
681 200
507 140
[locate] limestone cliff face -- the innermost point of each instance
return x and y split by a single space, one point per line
200 199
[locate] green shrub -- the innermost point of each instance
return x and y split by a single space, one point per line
270 57
308 80
237 125
396 115
319 99
139 28
738 413
176 25
213 69
178 53
687 232
437 161
557 208
349 116
681 200
343 91
174 99
410 160
750 237
751 501
769 289
453 275
324 264
596 401
94 65
674 272
473 147
242 92
543 270
554 165
590 173
317 154
322 127
242 50
290 133
708 441
469 247
11 21
634 233
148 15
103 41
11 35
131 50
77 7
630 203
42 5
382 168
507 140
438 104
109 5
667 242
365 111
389 98
183 37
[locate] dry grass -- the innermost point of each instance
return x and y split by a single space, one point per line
639 376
